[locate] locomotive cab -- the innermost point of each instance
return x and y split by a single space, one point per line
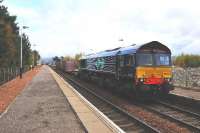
154 68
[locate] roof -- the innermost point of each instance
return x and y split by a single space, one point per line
127 50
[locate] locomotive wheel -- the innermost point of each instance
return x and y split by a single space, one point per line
166 88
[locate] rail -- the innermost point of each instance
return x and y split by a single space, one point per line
120 117
184 117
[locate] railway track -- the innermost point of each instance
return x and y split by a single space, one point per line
127 122
184 117
184 103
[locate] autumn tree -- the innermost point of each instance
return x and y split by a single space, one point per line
8 37
78 56
10 41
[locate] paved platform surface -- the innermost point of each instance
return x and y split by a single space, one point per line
187 93
92 120
40 108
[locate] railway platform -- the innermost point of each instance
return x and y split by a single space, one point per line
188 93
47 105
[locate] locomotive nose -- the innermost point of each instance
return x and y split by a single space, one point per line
155 79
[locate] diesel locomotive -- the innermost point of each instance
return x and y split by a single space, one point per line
145 68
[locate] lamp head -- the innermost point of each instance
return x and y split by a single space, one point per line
25 27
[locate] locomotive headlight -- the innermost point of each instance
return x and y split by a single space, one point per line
141 79
168 79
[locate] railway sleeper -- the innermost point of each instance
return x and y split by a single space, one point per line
179 109
135 130
132 128
104 109
109 112
127 125
120 121
114 115
188 124
163 114
191 120
100 105
171 112
97 103
195 123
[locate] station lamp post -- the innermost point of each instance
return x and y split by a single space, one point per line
33 55
21 52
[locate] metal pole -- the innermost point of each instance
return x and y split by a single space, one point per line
33 59
21 57
33 56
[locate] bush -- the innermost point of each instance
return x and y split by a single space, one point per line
187 60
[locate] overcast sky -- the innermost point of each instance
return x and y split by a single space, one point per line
66 27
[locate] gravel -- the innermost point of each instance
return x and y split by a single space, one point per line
164 125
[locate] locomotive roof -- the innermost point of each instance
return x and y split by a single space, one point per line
129 50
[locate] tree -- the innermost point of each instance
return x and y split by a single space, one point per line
68 58
35 57
78 56
10 41
56 59
7 37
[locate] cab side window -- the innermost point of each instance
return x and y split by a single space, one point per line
129 60
121 61
83 63
133 59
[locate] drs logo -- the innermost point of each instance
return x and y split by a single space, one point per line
100 64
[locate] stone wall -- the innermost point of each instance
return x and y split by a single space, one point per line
189 77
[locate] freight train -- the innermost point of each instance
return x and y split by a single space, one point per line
136 69
133 69
69 66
